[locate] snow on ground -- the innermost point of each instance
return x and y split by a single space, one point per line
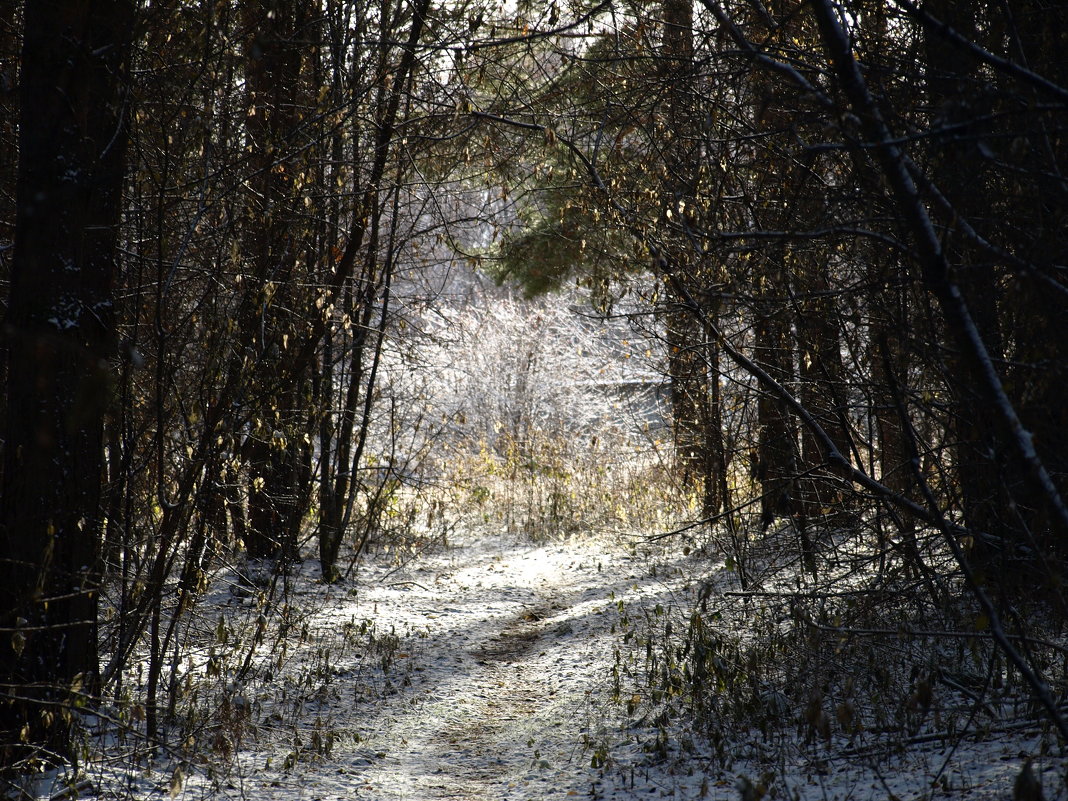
488 669
508 646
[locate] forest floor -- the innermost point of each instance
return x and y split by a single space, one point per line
497 669
498 655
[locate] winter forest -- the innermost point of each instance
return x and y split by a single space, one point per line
455 399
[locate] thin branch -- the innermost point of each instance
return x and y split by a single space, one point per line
936 274
1010 67
761 57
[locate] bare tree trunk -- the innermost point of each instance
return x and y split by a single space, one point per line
957 171
717 489
60 334
10 14
273 76
821 389
776 461
696 415
1037 326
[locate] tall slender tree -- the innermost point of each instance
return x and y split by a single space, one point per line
60 336
277 40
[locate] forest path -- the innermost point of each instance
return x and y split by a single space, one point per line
511 662
485 670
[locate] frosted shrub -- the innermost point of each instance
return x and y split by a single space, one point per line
532 420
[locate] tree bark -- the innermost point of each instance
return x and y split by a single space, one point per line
956 168
273 74
696 415
60 335
775 464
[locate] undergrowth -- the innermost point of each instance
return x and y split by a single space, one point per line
265 677
552 487
865 659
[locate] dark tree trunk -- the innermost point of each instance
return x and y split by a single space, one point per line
717 496
688 375
1037 327
60 335
273 75
696 418
778 458
955 101
10 13
821 390
775 466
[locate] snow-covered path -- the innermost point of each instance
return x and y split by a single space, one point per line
484 670
518 645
